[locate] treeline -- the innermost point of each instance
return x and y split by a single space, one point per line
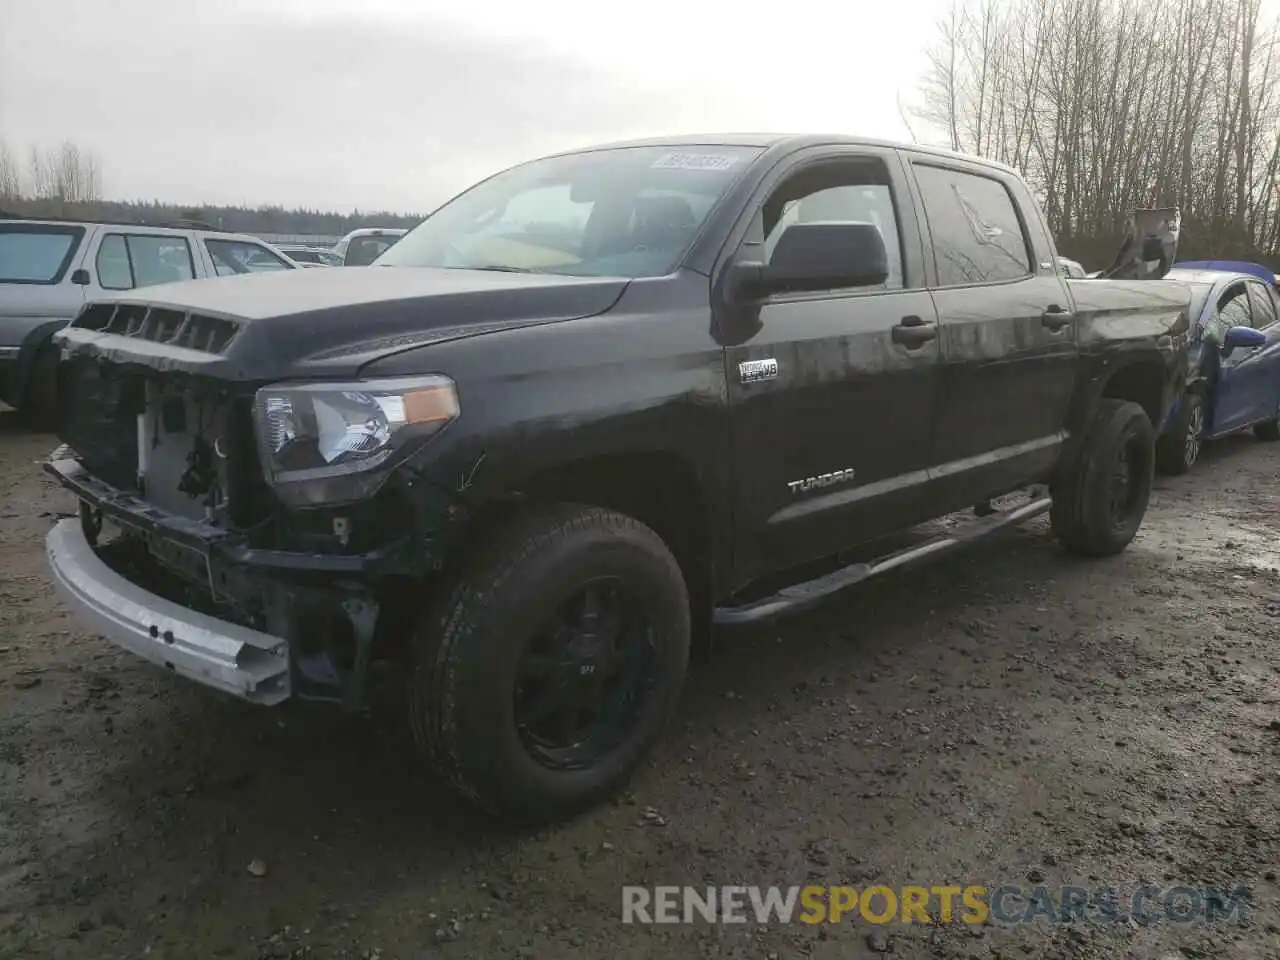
268 219
66 181
1108 105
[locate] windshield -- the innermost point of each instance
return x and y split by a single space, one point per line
36 254
625 212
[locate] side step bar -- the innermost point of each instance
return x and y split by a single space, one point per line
802 596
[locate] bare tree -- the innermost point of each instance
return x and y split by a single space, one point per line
10 174
1110 104
67 174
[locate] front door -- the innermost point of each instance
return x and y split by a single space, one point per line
1249 377
833 395
1008 334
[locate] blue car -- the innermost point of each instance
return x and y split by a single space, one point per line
1233 372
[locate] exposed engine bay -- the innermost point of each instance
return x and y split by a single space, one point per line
182 454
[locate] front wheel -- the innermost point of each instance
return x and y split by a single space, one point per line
1268 430
553 666
1100 500
40 401
1178 450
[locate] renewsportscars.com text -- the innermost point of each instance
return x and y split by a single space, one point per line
971 904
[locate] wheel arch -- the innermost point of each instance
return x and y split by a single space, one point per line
33 345
661 489
1142 381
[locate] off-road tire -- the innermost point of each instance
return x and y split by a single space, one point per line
1081 515
466 652
1268 430
1175 454
40 397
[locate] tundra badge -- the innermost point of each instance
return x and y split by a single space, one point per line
821 480
753 371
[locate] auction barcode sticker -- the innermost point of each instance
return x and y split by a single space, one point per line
694 161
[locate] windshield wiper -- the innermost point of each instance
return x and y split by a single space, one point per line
499 268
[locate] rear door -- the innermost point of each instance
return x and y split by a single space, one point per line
128 259
1008 335
832 397
1265 306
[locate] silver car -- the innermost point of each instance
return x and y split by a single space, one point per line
49 268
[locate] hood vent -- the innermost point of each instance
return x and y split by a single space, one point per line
193 331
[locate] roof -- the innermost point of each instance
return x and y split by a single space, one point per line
1211 277
794 141
175 226
1207 284
1262 272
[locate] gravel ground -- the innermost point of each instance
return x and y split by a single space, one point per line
1012 716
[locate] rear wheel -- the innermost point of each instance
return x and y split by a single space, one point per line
550 671
1268 430
1099 502
1178 450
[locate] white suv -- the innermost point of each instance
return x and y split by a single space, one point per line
49 268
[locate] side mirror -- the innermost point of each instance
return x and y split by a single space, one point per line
815 256
1242 337
80 277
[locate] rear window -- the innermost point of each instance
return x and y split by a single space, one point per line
362 251
31 253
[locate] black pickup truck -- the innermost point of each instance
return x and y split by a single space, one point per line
593 406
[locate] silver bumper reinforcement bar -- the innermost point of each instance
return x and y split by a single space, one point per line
217 653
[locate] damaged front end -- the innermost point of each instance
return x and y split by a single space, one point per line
215 546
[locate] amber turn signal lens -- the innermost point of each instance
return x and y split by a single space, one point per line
431 405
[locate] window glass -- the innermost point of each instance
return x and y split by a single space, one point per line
625 212
112 264
1233 311
159 259
851 203
131 260
1262 305
852 192
362 251
231 257
977 236
31 254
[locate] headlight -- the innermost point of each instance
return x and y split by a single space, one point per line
312 431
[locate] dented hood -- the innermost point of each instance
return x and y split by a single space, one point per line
321 323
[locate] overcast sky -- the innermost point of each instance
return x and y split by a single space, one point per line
338 104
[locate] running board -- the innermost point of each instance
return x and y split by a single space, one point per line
801 596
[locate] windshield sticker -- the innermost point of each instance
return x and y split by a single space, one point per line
694 161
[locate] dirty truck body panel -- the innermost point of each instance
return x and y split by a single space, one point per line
805 421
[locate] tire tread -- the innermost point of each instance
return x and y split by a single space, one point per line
438 676
1074 518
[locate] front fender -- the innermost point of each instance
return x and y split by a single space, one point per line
644 379
33 341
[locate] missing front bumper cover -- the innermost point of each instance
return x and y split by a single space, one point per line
274 624
235 659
